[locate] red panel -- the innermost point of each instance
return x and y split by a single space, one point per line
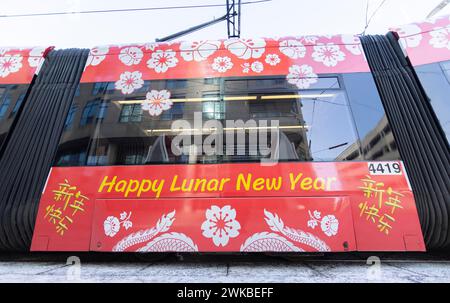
227 58
18 66
84 206
241 224
426 42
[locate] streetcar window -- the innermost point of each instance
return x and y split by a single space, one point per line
258 118
11 99
435 79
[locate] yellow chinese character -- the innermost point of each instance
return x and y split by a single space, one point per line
62 225
64 193
371 212
384 226
53 214
78 203
373 188
393 200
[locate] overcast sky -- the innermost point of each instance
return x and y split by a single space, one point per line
275 18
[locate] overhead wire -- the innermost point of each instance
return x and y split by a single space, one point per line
128 9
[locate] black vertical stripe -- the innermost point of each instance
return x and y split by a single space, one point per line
420 139
32 145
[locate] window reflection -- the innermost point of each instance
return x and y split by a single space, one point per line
435 79
11 100
315 124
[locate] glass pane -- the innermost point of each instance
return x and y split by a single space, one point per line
247 118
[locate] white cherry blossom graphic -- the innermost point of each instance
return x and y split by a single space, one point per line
151 46
10 64
129 82
410 35
329 225
246 48
131 55
35 58
111 226
294 49
302 76
97 55
352 44
222 64
156 102
272 59
198 50
220 224
309 39
245 67
257 67
161 60
440 38
329 54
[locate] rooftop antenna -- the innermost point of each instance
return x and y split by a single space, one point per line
232 16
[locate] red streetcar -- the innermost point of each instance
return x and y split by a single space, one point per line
293 144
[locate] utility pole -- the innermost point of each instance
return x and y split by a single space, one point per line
232 16
438 8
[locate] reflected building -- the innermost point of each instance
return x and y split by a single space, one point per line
378 144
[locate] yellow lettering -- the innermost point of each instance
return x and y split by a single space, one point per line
306 183
258 184
109 184
243 181
274 183
294 181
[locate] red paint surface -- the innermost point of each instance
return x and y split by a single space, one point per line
105 64
252 208
18 66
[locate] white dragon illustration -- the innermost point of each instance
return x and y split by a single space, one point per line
156 238
266 241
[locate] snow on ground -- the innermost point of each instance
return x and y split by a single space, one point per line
224 268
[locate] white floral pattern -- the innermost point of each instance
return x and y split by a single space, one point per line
111 226
131 55
157 101
35 58
302 76
129 82
151 46
294 49
310 39
440 38
272 59
246 48
352 44
198 50
161 60
222 64
220 224
245 67
10 64
329 223
97 55
329 54
410 35
257 67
